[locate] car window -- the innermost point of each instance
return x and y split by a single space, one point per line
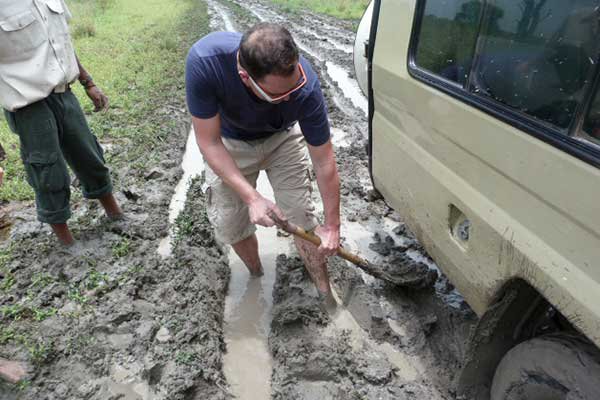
591 124
536 56
447 37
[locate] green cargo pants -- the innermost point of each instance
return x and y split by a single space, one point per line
54 132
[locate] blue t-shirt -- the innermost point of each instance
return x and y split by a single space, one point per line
214 86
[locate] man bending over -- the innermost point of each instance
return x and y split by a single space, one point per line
245 94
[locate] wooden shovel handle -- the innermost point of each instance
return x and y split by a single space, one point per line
314 239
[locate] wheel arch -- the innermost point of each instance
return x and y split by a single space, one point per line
518 313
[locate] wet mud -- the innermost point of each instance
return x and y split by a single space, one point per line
114 319
321 354
110 318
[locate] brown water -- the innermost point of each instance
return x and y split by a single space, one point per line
247 364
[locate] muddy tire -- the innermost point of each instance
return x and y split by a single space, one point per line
553 367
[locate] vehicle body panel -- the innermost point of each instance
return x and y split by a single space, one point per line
534 209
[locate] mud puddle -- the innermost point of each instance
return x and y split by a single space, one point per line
248 364
343 321
348 86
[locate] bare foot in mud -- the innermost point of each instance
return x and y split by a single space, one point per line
111 207
257 274
13 371
116 217
76 248
328 302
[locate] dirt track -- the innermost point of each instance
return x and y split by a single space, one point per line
146 327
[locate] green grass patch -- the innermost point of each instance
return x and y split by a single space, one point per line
15 185
345 9
184 226
121 248
135 50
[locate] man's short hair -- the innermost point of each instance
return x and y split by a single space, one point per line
268 49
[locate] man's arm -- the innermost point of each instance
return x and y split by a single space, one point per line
93 92
323 159
208 137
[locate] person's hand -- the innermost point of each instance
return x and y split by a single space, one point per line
259 210
98 98
330 239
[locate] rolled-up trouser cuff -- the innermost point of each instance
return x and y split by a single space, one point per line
54 217
96 194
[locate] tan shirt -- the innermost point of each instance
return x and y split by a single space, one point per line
36 52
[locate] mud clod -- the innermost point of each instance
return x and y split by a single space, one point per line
400 265
324 356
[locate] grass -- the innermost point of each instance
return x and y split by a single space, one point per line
95 279
345 9
135 50
75 294
184 226
121 248
185 357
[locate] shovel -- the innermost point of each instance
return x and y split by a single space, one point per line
360 262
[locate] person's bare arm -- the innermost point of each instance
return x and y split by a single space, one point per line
93 92
208 137
323 159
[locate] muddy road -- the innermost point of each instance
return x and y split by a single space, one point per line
155 308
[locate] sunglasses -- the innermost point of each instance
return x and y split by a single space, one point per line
301 82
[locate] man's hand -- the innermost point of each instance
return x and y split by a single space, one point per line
330 239
98 98
259 210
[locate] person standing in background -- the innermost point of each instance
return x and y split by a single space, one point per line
38 65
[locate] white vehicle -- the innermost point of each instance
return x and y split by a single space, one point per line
484 134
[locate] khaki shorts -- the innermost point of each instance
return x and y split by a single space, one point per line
284 157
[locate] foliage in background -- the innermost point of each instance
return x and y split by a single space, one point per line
346 9
135 50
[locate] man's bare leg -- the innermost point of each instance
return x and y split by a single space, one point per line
63 234
247 250
111 207
12 371
316 265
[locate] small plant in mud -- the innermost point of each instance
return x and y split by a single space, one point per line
13 311
40 314
184 226
130 273
40 351
75 295
136 269
17 312
96 279
185 357
78 344
6 335
41 280
23 385
122 248
7 281
5 256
